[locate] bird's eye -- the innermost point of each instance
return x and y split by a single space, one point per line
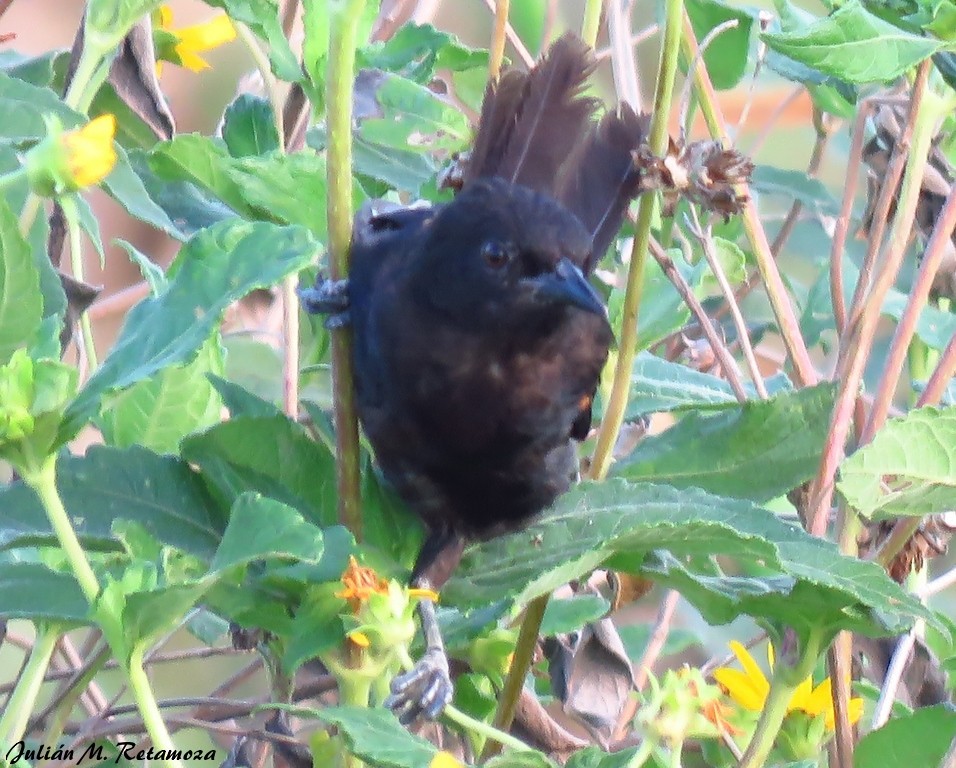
495 254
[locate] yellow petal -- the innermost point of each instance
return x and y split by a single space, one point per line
359 638
744 690
770 655
750 666
445 760
207 35
801 697
165 16
89 150
820 700
190 60
855 713
423 594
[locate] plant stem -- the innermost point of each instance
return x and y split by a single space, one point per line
484 729
11 178
496 52
621 384
70 213
520 664
592 21
147 706
42 480
338 100
16 714
782 686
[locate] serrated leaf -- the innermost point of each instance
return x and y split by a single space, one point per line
920 738
248 127
272 456
148 614
375 735
158 412
160 493
909 469
620 523
796 185
34 592
21 303
853 44
23 107
726 56
126 188
758 451
240 401
215 268
152 273
658 385
572 613
262 528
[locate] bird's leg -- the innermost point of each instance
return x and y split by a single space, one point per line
327 297
426 688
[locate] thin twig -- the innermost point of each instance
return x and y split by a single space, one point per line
939 584
855 346
727 362
635 40
523 53
623 61
894 676
496 51
684 108
787 323
705 236
941 377
655 644
767 128
936 249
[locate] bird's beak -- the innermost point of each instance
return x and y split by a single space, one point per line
566 285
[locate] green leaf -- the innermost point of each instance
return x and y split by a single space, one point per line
148 614
572 613
159 411
160 493
262 528
376 736
920 738
271 455
658 385
202 161
249 127
412 117
215 268
757 451
854 45
191 208
23 107
529 759
34 592
595 757
726 56
152 273
417 51
621 523
908 470
126 188
108 21
36 70
240 401
796 185
262 16
21 303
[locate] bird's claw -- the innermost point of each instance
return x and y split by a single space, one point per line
327 297
424 690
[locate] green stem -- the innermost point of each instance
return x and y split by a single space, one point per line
148 708
71 215
42 480
784 682
520 664
643 753
11 178
20 705
338 99
620 388
485 729
592 21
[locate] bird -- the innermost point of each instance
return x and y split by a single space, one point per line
478 341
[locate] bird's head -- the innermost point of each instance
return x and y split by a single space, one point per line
500 254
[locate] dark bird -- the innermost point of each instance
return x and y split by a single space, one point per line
478 342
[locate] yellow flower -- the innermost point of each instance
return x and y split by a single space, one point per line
183 46
90 155
445 760
750 687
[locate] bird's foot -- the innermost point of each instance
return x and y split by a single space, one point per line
327 297
423 690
